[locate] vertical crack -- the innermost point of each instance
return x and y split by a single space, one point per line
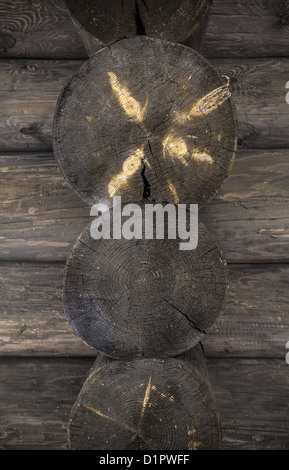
146 185
140 28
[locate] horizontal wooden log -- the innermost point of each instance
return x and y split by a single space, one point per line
41 29
36 397
29 90
236 29
33 322
42 217
242 28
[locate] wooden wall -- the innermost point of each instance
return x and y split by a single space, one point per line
43 364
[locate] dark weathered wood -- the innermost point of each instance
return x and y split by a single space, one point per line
258 92
135 298
29 91
41 29
252 396
147 106
255 321
146 404
36 399
42 217
236 28
108 22
245 28
33 323
37 394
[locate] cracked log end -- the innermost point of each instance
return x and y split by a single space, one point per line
102 23
146 404
146 118
144 298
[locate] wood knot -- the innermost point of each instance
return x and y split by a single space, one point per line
32 130
30 67
284 20
6 42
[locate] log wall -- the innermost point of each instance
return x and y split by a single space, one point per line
43 364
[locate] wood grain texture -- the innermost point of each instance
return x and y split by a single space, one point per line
259 93
144 298
106 23
252 396
33 322
36 400
39 29
29 90
236 28
146 404
240 28
145 106
41 217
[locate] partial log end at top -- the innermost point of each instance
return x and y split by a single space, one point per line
108 22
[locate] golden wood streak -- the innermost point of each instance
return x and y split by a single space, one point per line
129 104
207 103
173 191
130 166
146 397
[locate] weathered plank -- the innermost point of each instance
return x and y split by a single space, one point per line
36 397
242 28
106 23
39 29
41 216
249 217
29 90
253 400
255 321
236 28
33 322
259 94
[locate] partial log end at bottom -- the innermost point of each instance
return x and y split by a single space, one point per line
145 404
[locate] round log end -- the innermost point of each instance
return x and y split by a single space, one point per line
145 404
146 119
144 298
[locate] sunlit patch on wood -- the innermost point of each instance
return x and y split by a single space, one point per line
129 104
202 157
90 408
185 86
193 445
206 104
146 397
130 166
175 147
192 431
173 191
90 118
